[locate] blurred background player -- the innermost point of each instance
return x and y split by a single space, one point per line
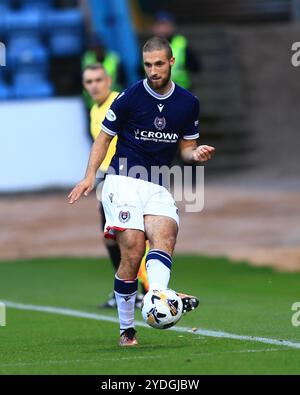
98 85
186 59
111 62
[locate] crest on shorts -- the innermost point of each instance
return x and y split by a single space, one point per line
124 216
160 123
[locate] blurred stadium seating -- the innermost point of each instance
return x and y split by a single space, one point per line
27 52
5 5
31 85
65 32
36 4
35 34
4 91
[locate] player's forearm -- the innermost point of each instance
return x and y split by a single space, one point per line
98 153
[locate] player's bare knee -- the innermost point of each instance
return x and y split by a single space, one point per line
132 245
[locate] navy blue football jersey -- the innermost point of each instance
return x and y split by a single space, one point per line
149 126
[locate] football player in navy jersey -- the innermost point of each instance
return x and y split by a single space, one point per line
151 118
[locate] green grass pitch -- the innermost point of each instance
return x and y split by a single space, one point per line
235 298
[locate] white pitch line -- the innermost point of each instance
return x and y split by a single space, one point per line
100 317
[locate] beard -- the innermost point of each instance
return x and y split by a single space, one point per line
161 83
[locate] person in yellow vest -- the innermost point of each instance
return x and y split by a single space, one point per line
96 53
98 83
187 61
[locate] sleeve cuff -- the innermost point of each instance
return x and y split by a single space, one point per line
108 131
191 137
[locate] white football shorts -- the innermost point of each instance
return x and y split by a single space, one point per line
126 200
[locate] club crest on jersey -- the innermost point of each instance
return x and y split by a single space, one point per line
160 123
124 216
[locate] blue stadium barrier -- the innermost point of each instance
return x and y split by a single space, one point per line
65 32
31 85
112 22
128 46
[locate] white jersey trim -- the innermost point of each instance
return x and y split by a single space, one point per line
108 131
192 137
157 95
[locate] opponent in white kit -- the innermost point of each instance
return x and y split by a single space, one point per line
151 118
